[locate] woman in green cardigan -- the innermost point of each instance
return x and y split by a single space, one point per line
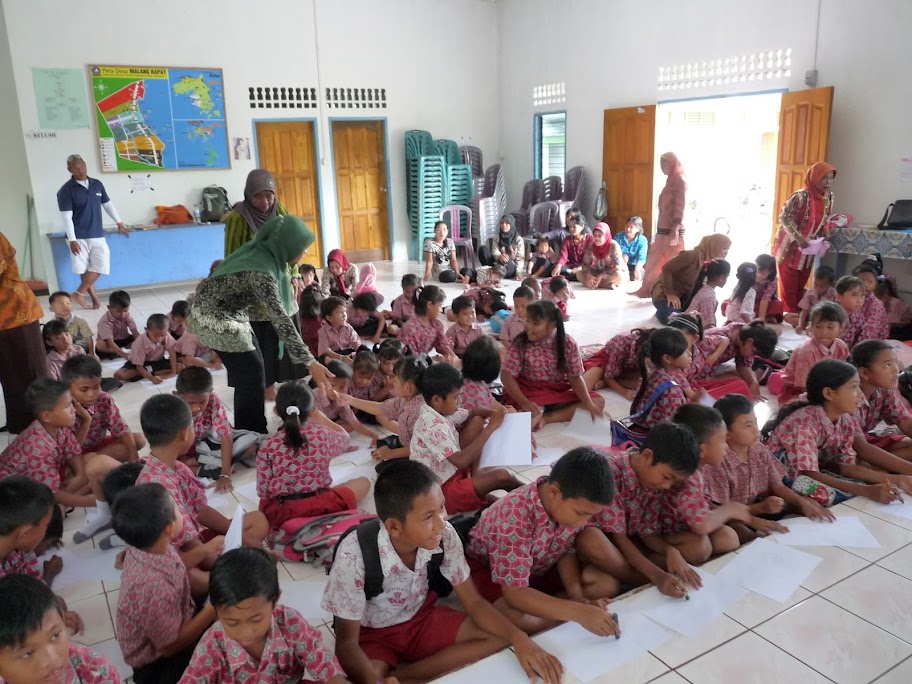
259 205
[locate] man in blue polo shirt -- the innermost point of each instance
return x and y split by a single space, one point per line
80 201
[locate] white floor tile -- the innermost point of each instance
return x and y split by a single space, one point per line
879 596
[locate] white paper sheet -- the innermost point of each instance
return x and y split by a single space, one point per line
248 491
169 383
81 563
511 443
305 597
502 668
770 569
217 499
705 606
584 428
547 455
817 246
235 534
341 472
903 510
844 531
587 656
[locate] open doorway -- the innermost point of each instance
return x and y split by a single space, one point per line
728 147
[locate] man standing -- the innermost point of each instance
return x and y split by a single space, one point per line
80 201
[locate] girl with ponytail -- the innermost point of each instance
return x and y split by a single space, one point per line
293 479
615 367
669 352
424 331
703 297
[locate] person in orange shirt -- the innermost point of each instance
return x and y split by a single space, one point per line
22 355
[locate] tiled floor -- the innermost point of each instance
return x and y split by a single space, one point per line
851 622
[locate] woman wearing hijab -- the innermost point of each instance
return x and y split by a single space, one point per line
247 217
804 218
254 279
669 238
508 249
339 277
367 282
675 283
603 262
573 247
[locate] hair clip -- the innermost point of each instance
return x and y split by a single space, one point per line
292 411
748 270
880 278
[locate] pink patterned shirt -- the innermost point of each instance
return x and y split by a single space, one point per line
212 419
294 652
434 440
331 409
154 602
733 332
106 419
403 308
188 493
475 394
669 401
700 368
283 471
705 304
811 298
369 391
809 441
460 339
421 336
332 339
620 354
110 328
55 359
685 505
743 481
884 405
405 413
513 326
39 456
21 563
176 328
190 345
88 667
870 323
767 291
518 540
634 509
537 361
146 351
898 312
808 353
404 590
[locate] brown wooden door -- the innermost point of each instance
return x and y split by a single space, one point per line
287 149
628 165
359 158
804 132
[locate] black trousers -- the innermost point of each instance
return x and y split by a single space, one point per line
22 360
276 369
247 377
486 257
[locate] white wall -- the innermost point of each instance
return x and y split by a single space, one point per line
609 51
400 45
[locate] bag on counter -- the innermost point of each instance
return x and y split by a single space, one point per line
170 216
214 204
898 216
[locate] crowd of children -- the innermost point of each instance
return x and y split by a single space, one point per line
701 479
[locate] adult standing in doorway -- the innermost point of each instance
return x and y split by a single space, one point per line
803 218
22 355
671 292
80 201
254 279
669 239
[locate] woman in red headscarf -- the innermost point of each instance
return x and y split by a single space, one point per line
339 276
804 217
603 263
669 238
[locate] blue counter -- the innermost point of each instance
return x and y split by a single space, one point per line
148 257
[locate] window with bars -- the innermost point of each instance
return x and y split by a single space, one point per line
550 144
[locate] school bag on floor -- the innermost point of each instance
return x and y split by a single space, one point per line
315 538
214 203
764 368
625 432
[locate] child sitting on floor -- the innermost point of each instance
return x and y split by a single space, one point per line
436 443
293 478
899 315
714 274
740 306
309 310
217 446
337 339
826 322
516 323
62 307
767 305
58 338
389 352
822 291
116 330
480 367
666 384
156 622
616 366
364 317
177 318
744 342
542 260
26 510
850 295
465 329
873 313
336 410
147 354
535 285
424 331
558 290
390 626
191 352
403 307
255 638
878 371
367 382
35 642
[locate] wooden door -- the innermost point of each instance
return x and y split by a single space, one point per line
359 158
628 165
804 131
288 150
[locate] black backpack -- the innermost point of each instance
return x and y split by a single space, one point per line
214 204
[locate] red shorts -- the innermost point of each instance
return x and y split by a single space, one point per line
717 387
459 494
107 441
331 500
885 442
549 583
433 629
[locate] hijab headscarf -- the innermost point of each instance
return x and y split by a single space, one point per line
258 180
506 239
339 257
814 178
275 245
712 246
601 252
675 168
367 279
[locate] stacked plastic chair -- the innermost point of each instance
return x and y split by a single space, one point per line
533 193
449 150
575 193
460 191
472 156
554 189
543 217
426 181
490 206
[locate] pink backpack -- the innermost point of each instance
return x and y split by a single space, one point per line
315 538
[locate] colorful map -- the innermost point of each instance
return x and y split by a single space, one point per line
159 118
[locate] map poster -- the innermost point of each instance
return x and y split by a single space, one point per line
60 98
160 118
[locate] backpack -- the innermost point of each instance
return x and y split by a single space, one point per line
315 538
764 368
625 431
373 572
214 203
905 384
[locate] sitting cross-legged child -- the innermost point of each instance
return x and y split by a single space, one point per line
368 382
480 367
878 370
436 443
364 317
516 322
58 339
116 330
386 620
403 306
666 385
191 352
177 318
293 478
61 306
35 641
255 638
337 339
147 354
333 408
217 446
424 331
465 329
156 623
522 548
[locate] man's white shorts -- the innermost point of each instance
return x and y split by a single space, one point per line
93 256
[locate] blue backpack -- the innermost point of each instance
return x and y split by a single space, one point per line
627 432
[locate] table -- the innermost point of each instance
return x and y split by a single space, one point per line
863 239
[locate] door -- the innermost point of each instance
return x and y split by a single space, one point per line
804 131
359 159
628 165
288 150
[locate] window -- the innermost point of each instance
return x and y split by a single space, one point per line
550 144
